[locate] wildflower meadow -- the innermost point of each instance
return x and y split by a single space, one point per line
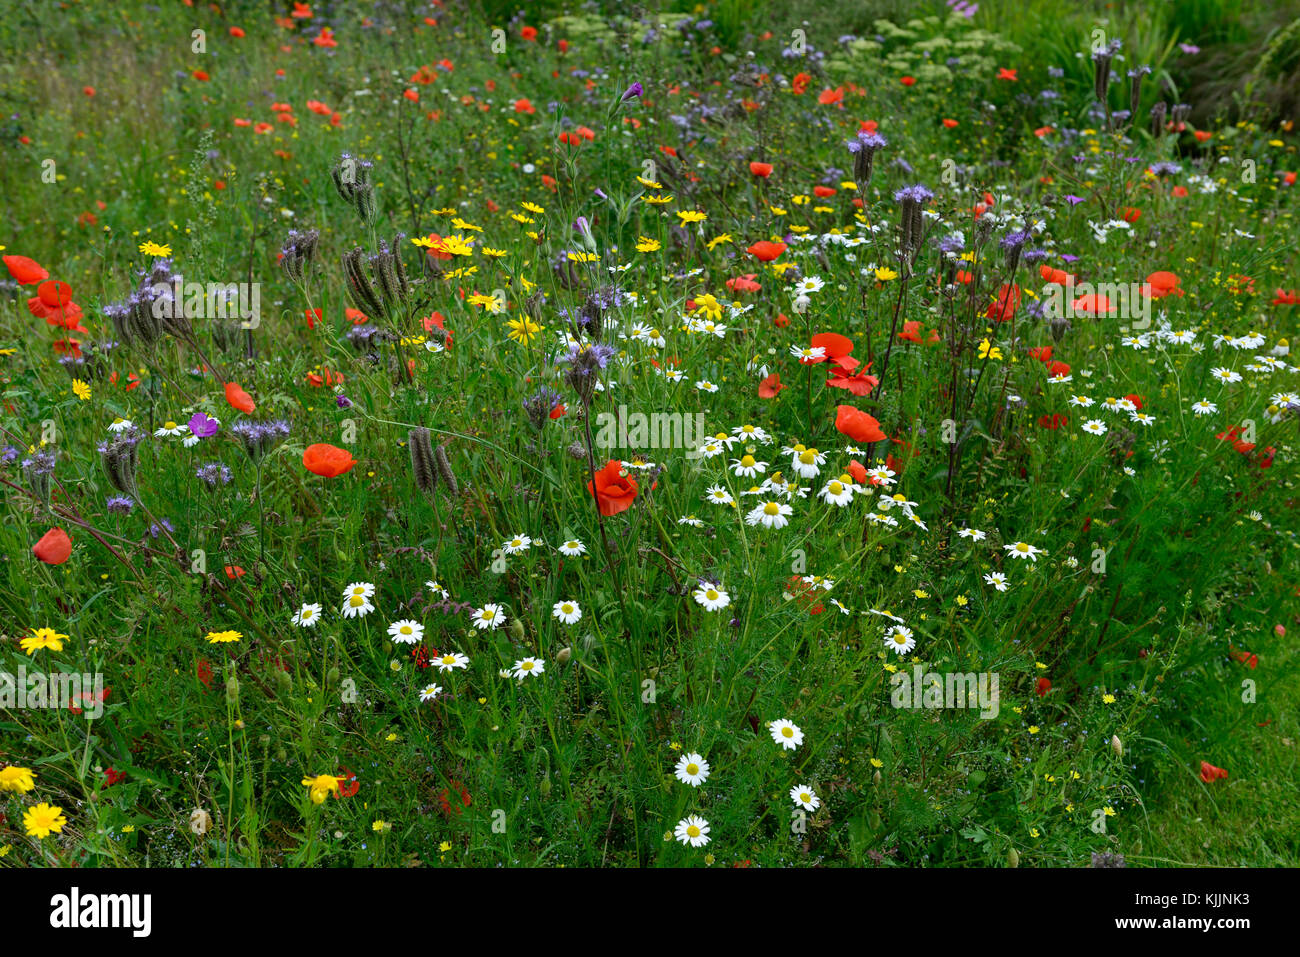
694 435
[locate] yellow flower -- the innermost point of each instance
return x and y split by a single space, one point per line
461 224
649 183
223 637
657 200
884 274
1033 729
492 253
1108 698
691 216
717 240
962 600
43 638
321 785
150 248
989 351
444 847
533 208
580 257
523 329
647 245
490 303
14 778
709 306
877 763
43 820
80 389
381 827
1110 811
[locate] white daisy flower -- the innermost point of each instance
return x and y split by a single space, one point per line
974 534
1023 550
770 515
356 606
489 616
837 492
520 543
307 616
713 598
528 666
364 589
1095 427
804 797
692 830
786 733
900 639
170 428
429 692
450 661
406 632
692 769
572 548
997 580
567 612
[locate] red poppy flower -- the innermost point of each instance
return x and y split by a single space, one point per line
860 384
800 83
771 387
744 283
1058 277
54 548
1041 353
25 271
1092 305
1044 686
859 473
239 399
327 461
1161 284
529 33
1007 303
1053 422
613 490
1286 297
950 124
908 80
1210 774
765 250
349 786
827 97
203 671
857 425
763 170
1005 74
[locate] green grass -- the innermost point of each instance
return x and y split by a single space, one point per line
1148 587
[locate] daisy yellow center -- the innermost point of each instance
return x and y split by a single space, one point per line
654 333
900 639
711 595
771 508
747 461
836 488
406 629
803 796
693 831
307 613
356 601
567 609
808 456
787 732
692 769
526 666
1022 547
169 425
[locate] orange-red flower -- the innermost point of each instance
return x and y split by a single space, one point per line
54 547
614 491
765 250
25 271
327 461
1210 774
761 169
857 425
238 398
771 387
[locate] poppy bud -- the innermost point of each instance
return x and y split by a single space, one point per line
232 690
517 629
1013 858
1117 746
563 655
